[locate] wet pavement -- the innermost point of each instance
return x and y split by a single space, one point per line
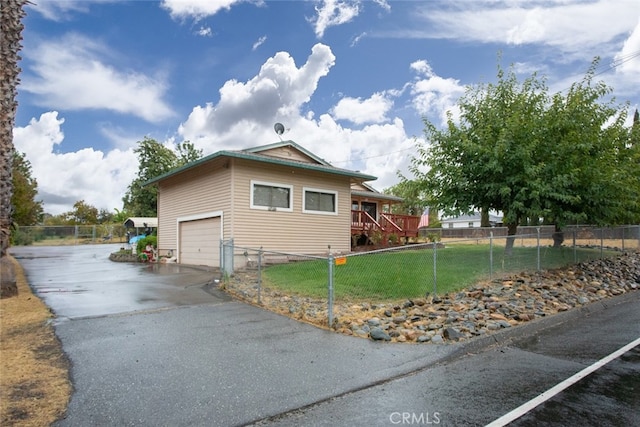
155 345
151 347
80 281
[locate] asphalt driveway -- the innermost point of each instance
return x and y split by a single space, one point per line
158 345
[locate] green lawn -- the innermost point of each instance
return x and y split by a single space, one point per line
409 273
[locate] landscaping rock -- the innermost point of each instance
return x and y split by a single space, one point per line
374 321
378 334
437 339
123 257
451 334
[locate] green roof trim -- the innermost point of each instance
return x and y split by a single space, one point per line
376 195
249 155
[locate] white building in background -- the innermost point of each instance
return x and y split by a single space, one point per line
469 221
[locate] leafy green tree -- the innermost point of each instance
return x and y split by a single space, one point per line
413 203
485 161
60 219
120 216
82 213
635 129
154 159
187 153
631 155
105 217
26 209
528 155
581 157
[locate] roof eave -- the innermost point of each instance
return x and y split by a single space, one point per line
264 159
374 195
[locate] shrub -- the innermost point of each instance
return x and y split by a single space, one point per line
393 238
142 243
21 238
434 237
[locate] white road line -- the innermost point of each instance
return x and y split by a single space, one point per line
541 398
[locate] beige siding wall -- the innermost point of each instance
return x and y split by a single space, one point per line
294 231
359 187
289 153
215 187
197 191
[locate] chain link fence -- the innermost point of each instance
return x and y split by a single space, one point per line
293 284
307 287
68 234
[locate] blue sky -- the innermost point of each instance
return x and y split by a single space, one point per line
350 80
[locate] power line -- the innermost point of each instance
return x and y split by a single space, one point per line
373 157
619 61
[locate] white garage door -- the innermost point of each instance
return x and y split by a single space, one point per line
200 242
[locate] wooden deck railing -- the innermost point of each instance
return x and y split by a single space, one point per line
400 225
407 225
363 223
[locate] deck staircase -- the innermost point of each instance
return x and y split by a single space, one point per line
389 229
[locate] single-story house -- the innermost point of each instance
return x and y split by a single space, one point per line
470 221
279 196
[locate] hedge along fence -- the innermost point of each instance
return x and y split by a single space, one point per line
415 270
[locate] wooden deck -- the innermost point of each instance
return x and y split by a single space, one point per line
387 226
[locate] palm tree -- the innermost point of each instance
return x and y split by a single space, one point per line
11 14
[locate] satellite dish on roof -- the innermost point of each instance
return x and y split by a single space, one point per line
279 128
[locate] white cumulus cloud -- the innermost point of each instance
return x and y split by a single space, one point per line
245 114
334 12
434 95
197 9
100 179
627 61
70 74
371 110
278 91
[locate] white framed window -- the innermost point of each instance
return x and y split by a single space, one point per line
319 201
471 224
271 196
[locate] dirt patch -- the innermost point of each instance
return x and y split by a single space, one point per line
34 372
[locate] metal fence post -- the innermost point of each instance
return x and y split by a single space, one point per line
601 243
226 258
623 238
435 264
538 244
575 249
221 258
491 255
330 261
260 276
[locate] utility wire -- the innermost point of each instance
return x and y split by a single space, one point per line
618 62
373 157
